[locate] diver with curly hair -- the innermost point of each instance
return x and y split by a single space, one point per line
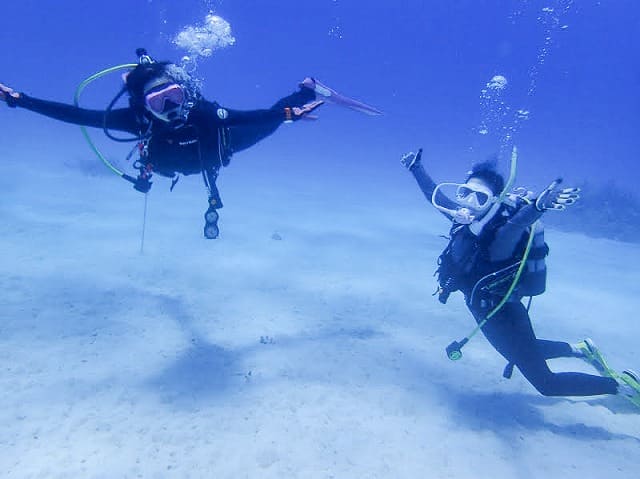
177 130
496 257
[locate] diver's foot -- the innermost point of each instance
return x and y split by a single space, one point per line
588 351
629 386
631 378
211 230
582 349
585 349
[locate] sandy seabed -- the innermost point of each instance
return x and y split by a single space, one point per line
304 343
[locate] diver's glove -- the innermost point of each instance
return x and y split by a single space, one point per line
8 95
302 112
553 198
411 159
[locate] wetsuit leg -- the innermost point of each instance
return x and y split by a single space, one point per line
555 349
242 137
511 333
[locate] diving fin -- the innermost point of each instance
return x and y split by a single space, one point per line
592 355
628 380
327 94
632 380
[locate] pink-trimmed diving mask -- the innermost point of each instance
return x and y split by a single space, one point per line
165 101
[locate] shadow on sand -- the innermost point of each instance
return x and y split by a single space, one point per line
507 414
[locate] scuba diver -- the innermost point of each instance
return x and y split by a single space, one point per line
176 130
496 257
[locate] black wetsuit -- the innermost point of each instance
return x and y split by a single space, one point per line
470 256
203 144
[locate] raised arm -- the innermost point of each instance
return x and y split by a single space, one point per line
413 162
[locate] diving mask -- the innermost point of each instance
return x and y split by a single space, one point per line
166 101
470 200
474 195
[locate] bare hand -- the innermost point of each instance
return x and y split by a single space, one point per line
303 112
411 159
5 91
553 198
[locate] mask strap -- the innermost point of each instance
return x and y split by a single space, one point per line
436 190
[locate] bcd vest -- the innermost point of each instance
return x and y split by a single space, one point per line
466 265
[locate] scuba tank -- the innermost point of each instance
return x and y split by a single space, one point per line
533 280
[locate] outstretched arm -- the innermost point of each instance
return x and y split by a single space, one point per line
293 107
121 119
270 116
509 235
249 127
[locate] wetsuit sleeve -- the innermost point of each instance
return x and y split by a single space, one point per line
509 235
121 119
273 116
427 185
243 128
251 117
246 134
249 127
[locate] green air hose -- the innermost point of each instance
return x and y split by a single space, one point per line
85 133
512 175
523 263
454 350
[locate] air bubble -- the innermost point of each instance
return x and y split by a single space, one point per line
203 40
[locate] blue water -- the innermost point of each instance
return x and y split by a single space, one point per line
311 318
423 62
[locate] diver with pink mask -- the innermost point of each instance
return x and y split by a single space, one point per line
178 131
